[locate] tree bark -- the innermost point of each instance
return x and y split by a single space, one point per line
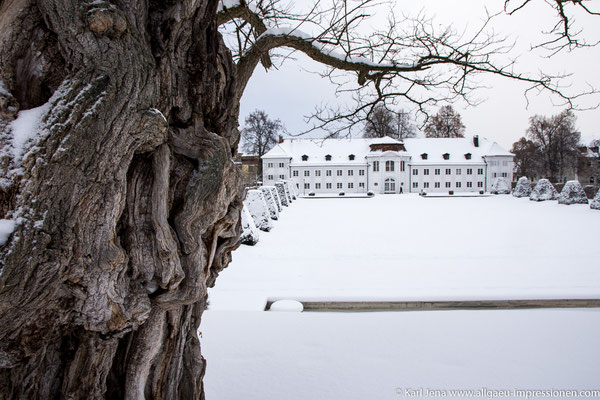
128 204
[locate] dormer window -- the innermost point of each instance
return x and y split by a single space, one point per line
468 156
446 156
424 156
328 157
305 158
351 157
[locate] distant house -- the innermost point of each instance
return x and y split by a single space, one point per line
248 165
386 165
588 165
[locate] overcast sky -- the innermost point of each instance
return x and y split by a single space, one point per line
292 91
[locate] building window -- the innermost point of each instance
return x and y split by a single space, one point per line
307 186
270 165
437 185
426 171
592 179
361 172
339 185
468 156
389 166
479 184
350 172
469 171
295 173
415 172
361 184
437 171
339 172
458 184
318 172
281 176
281 165
327 172
375 166
297 186
415 185
505 174
426 185
307 173
446 156
495 174
448 184
351 157
402 166
328 157
469 184
458 171
305 158
270 177
328 185
317 186
350 185
448 171
479 171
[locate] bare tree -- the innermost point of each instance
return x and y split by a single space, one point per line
385 122
557 140
260 134
528 159
125 198
447 123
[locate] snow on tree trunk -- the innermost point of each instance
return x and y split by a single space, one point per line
543 191
270 202
250 233
275 195
257 206
595 203
523 188
126 198
281 192
500 186
572 193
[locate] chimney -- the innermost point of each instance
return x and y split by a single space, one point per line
280 139
476 140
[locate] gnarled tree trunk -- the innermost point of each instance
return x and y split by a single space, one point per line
128 203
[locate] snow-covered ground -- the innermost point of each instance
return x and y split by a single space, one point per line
407 248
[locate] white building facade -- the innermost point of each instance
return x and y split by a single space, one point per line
386 165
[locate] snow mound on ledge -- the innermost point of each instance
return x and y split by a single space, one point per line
257 206
250 233
595 203
500 186
543 191
287 305
523 188
7 226
572 193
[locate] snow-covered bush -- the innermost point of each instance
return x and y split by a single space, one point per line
286 187
595 203
523 188
572 193
500 186
250 233
275 195
257 206
281 192
543 191
270 202
293 191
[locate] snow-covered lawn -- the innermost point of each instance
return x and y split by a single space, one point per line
413 248
407 248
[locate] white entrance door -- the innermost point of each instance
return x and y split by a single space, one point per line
390 186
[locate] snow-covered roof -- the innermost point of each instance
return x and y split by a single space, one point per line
341 149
